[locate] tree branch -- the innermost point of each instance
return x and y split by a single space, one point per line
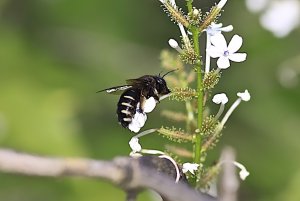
125 172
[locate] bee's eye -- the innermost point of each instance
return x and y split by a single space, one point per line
159 81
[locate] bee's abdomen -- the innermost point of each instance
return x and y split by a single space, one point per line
127 106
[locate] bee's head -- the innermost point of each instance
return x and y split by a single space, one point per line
161 86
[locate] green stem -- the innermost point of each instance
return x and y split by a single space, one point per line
189 5
197 145
197 149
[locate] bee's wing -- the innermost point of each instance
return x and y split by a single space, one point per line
135 82
141 81
116 90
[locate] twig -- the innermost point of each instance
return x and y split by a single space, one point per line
125 172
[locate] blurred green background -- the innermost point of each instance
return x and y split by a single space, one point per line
55 54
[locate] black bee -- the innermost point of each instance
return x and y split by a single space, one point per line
138 98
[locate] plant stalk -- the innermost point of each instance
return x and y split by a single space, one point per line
196 33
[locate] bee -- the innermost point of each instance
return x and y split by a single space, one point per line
139 96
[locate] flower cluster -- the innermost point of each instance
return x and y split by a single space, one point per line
202 129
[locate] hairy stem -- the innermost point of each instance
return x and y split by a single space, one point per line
197 145
189 5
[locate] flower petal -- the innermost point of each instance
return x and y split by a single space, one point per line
137 122
244 174
235 44
220 98
191 167
134 127
238 57
245 96
173 43
140 118
219 41
135 145
214 52
149 105
223 62
227 28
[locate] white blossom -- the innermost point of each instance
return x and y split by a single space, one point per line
278 16
135 145
219 49
137 122
256 5
191 167
281 17
245 96
173 43
243 173
221 4
149 105
214 29
220 98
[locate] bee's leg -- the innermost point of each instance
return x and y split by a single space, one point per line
156 98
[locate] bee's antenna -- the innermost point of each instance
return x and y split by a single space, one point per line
160 73
169 72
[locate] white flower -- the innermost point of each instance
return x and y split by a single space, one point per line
243 173
149 105
256 5
278 16
137 122
281 17
214 29
191 167
245 96
135 145
224 52
221 4
220 98
173 43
